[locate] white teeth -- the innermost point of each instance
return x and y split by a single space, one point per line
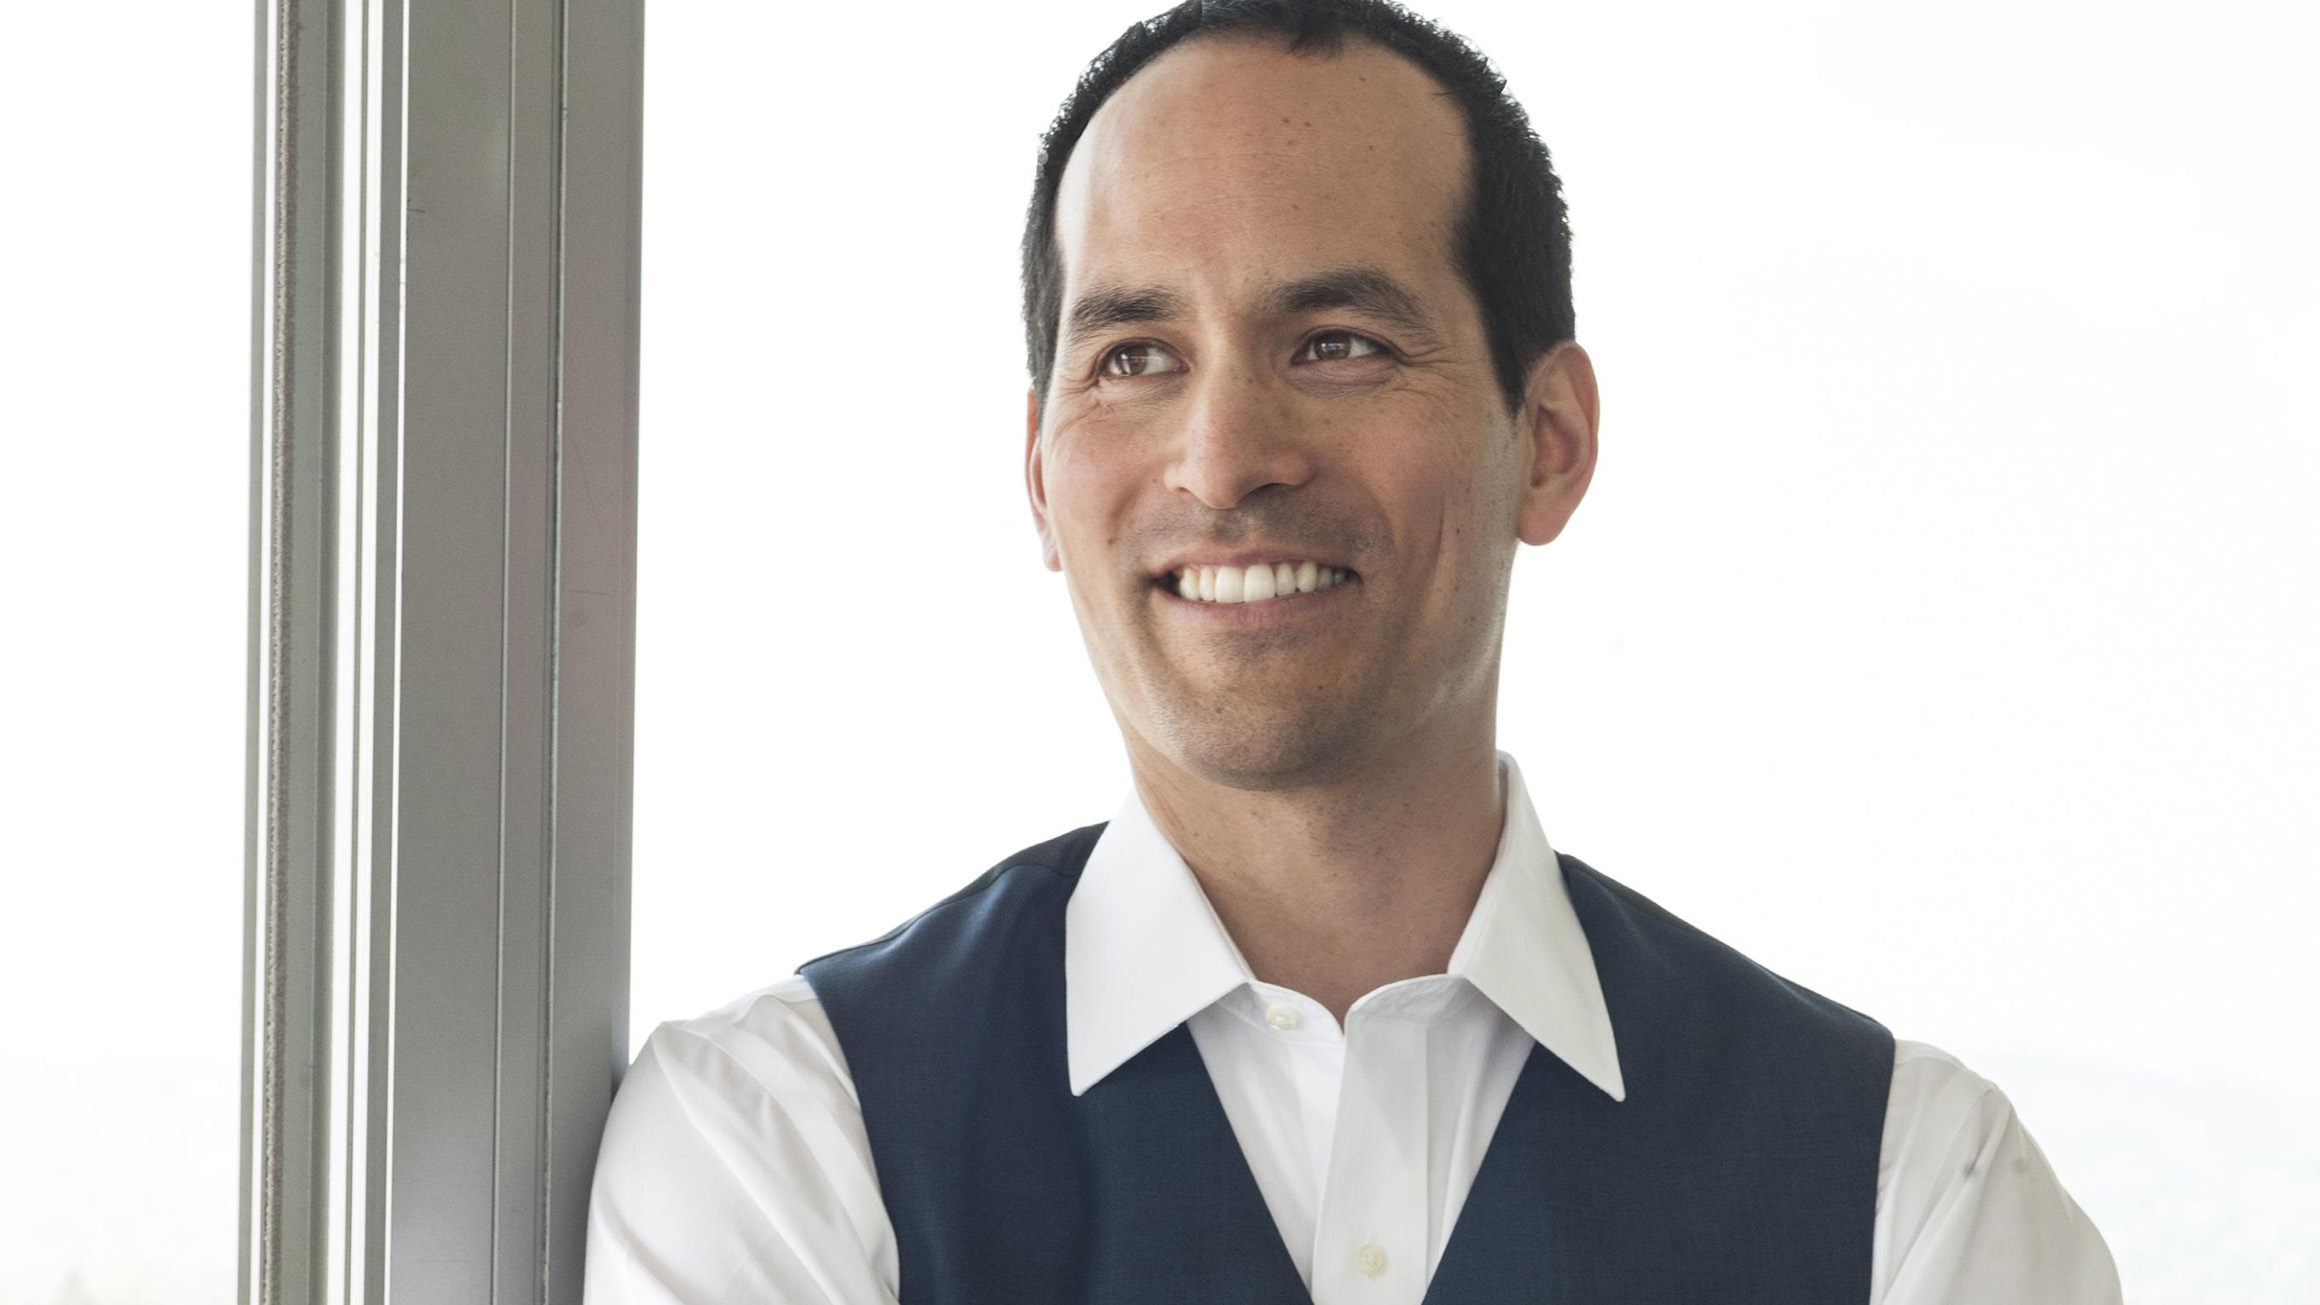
1255 584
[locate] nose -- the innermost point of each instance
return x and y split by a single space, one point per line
1239 436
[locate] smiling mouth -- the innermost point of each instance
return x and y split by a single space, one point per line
1251 584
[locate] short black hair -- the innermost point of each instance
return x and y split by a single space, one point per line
1513 237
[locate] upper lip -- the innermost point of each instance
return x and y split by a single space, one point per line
1244 557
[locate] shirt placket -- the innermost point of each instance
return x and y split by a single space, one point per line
1369 1246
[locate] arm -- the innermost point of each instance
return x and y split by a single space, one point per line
735 1167
1968 1210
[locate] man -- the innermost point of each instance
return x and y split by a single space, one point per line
1319 1014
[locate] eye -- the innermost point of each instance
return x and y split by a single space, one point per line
1338 346
1140 359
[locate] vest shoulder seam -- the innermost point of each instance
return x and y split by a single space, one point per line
1054 856
1636 900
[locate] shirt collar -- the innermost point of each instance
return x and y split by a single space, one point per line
1143 950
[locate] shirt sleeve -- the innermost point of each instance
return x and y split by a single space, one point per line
1968 1210
735 1167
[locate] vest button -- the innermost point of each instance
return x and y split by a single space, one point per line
1280 1017
1370 1259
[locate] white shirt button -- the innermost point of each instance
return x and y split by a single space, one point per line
1280 1017
1370 1259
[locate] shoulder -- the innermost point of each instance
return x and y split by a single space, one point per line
711 1086
735 1158
1933 1090
953 936
776 1039
1936 1106
1968 1208
1941 1122
1660 955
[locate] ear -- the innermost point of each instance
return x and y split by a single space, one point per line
1557 424
1035 483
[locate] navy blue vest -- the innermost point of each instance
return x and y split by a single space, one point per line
1742 1167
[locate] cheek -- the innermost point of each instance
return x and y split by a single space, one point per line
1449 485
1090 482
1487 473
1457 502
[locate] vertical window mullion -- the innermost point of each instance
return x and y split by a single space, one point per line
442 626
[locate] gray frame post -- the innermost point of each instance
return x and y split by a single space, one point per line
442 642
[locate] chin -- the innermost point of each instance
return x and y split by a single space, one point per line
1264 751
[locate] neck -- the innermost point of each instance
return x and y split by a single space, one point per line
1338 887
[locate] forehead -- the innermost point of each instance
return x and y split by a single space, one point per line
1229 163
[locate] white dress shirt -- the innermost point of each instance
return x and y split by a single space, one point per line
735 1166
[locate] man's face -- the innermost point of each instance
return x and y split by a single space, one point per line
1267 356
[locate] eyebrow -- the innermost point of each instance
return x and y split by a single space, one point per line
1359 288
1362 289
1108 306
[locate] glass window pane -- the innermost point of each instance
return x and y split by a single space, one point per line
124 519
840 605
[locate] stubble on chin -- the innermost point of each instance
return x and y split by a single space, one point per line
1233 740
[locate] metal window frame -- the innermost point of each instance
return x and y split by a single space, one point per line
442 617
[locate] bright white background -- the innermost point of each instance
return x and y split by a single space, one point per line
1943 627
124 525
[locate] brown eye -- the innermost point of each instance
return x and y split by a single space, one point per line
1338 346
1139 360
